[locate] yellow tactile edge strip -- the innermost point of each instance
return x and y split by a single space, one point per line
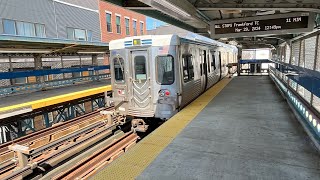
56 99
133 163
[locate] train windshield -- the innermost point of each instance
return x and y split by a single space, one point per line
165 70
118 69
140 68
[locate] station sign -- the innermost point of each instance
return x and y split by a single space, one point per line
263 25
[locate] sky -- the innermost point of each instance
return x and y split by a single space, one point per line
153 23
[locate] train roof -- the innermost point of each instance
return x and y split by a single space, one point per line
164 40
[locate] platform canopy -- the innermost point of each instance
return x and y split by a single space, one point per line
18 45
206 16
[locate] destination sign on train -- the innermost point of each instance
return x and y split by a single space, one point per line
252 26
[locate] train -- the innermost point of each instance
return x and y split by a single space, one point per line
155 76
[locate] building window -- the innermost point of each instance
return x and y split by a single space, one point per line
165 70
79 34
9 27
118 18
109 28
26 29
40 30
141 28
127 27
70 33
89 35
23 28
134 27
187 65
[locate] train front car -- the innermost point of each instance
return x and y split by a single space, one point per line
144 77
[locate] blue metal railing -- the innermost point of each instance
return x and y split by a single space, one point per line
245 61
309 79
49 84
310 118
43 72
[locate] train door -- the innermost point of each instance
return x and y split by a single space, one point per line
220 64
204 74
139 86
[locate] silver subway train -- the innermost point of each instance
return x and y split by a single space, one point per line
157 75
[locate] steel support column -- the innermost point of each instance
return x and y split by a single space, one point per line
95 62
46 119
315 64
37 66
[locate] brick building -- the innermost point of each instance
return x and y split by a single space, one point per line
117 22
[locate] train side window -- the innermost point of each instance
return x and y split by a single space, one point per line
187 64
185 68
213 62
118 69
165 70
140 68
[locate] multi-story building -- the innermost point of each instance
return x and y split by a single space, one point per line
89 20
63 19
117 22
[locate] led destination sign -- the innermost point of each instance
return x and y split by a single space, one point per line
297 22
286 23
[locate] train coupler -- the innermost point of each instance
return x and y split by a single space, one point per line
138 125
111 117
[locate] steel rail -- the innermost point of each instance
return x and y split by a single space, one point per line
6 154
102 157
65 152
39 134
8 166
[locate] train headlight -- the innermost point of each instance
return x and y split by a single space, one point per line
164 92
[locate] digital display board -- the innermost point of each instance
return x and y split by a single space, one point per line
262 25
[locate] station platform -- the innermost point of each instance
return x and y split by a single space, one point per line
22 103
241 128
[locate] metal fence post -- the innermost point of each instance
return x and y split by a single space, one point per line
315 65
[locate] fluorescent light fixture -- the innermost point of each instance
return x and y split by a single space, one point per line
5 50
173 7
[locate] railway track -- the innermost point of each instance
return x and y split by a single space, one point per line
34 139
54 138
102 157
76 149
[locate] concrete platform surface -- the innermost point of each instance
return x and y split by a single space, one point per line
37 95
246 132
